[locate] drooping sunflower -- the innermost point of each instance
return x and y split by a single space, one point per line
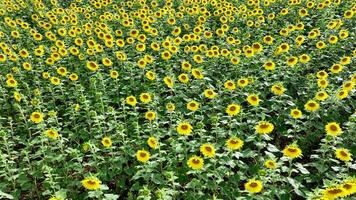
195 162
106 141
208 150
264 127
254 186
333 129
36 117
184 128
233 109
321 95
91 183
143 156
234 143
292 151
343 154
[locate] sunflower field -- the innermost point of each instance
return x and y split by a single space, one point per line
177 99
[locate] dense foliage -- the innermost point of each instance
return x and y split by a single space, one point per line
192 99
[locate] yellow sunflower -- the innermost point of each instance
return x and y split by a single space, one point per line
195 162
333 193
193 105
145 97
36 117
184 128
343 154
208 150
131 100
150 115
91 183
292 151
296 113
152 142
264 127
106 141
234 143
333 129
233 109
311 106
253 100
209 93
271 164
143 156
254 186
51 133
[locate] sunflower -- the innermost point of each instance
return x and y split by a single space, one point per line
152 142
230 85
106 141
195 162
197 73
208 150
143 156
131 100
92 66
36 117
333 129
311 106
271 164
253 99
296 113
242 82
323 83
168 81
184 128
254 186
233 109
150 115
53 134
342 94
348 86
209 93
292 151
333 193
183 78
170 107
11 82
278 89
292 61
114 74
321 96
343 154
193 105
91 183
234 143
264 127
349 187
336 68
269 65
145 97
